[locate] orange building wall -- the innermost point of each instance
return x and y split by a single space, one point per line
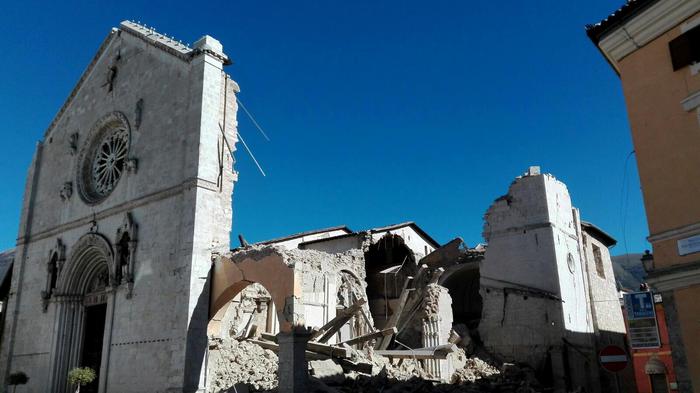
666 138
667 143
688 306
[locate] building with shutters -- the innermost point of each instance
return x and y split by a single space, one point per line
654 46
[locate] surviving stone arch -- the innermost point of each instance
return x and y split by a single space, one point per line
82 323
230 277
281 274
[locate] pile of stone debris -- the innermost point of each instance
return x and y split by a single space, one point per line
238 363
245 366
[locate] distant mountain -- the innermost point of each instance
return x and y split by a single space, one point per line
629 272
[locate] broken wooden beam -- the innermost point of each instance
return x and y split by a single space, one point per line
394 319
371 336
439 352
329 350
336 323
368 323
276 348
362 367
269 337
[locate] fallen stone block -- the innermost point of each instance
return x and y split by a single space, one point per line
327 371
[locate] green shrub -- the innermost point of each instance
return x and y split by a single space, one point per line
81 376
18 378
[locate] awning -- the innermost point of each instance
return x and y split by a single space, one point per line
654 366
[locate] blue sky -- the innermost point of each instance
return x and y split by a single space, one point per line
378 112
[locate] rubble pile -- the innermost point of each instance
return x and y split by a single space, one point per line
474 369
242 363
394 334
248 367
475 376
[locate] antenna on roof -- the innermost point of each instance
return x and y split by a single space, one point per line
253 120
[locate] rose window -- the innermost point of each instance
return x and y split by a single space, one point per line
103 159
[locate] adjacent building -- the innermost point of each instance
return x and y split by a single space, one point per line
654 47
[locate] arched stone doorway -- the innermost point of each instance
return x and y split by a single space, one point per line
282 278
83 318
248 315
231 276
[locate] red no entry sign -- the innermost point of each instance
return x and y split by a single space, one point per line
613 358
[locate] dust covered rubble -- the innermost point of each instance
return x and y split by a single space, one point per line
240 362
246 365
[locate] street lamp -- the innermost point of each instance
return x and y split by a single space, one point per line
648 261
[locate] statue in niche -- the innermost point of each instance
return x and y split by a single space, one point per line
51 277
73 143
123 254
53 269
124 257
138 113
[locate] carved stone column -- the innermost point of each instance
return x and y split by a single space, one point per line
67 345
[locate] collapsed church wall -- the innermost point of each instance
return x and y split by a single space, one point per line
525 297
324 282
329 284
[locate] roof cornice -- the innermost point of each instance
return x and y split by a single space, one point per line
640 28
169 44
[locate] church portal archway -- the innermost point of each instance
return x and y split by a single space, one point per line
84 304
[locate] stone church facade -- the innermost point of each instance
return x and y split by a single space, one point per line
127 198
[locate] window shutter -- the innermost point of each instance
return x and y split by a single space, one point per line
685 49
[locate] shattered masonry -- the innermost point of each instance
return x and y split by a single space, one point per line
525 298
